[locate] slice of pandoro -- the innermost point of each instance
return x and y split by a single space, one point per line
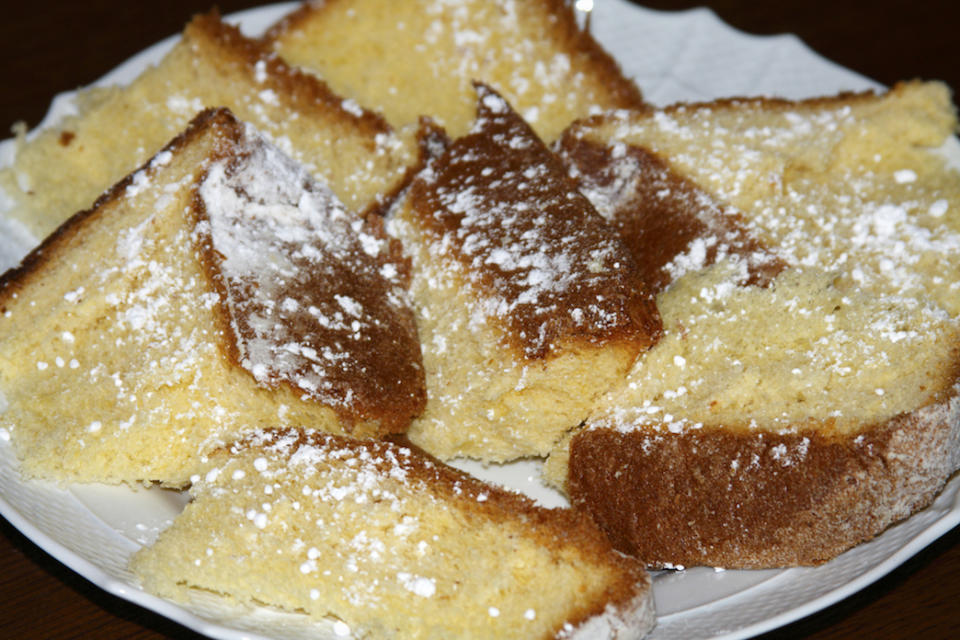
409 58
218 286
391 544
528 305
66 166
786 414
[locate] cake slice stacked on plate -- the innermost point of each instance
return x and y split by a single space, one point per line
218 314
392 544
804 395
218 287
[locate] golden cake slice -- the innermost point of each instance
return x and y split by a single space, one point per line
407 58
65 167
528 305
790 412
391 544
217 287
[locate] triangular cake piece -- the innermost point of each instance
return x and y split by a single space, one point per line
65 167
389 543
785 415
407 58
219 286
528 304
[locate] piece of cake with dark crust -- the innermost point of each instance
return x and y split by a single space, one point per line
391 543
218 287
528 305
785 415
65 167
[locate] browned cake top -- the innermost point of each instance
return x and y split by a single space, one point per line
543 262
669 224
756 500
314 294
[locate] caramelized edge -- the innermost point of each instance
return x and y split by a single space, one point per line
839 482
638 331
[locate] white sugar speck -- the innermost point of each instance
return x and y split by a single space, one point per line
904 176
419 585
939 208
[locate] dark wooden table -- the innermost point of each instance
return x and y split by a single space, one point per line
59 45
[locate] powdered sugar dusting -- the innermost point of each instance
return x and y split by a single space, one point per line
540 258
826 186
856 329
302 278
357 510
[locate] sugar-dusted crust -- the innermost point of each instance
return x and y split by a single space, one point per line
499 204
660 214
528 304
341 332
743 499
383 383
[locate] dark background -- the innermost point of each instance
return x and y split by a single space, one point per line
50 47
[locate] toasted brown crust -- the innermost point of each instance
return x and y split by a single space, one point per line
390 392
396 358
742 499
659 213
512 183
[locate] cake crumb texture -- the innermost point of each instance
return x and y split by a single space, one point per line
65 167
783 420
391 543
411 58
217 282
528 304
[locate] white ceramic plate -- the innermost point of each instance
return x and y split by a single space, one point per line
673 56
